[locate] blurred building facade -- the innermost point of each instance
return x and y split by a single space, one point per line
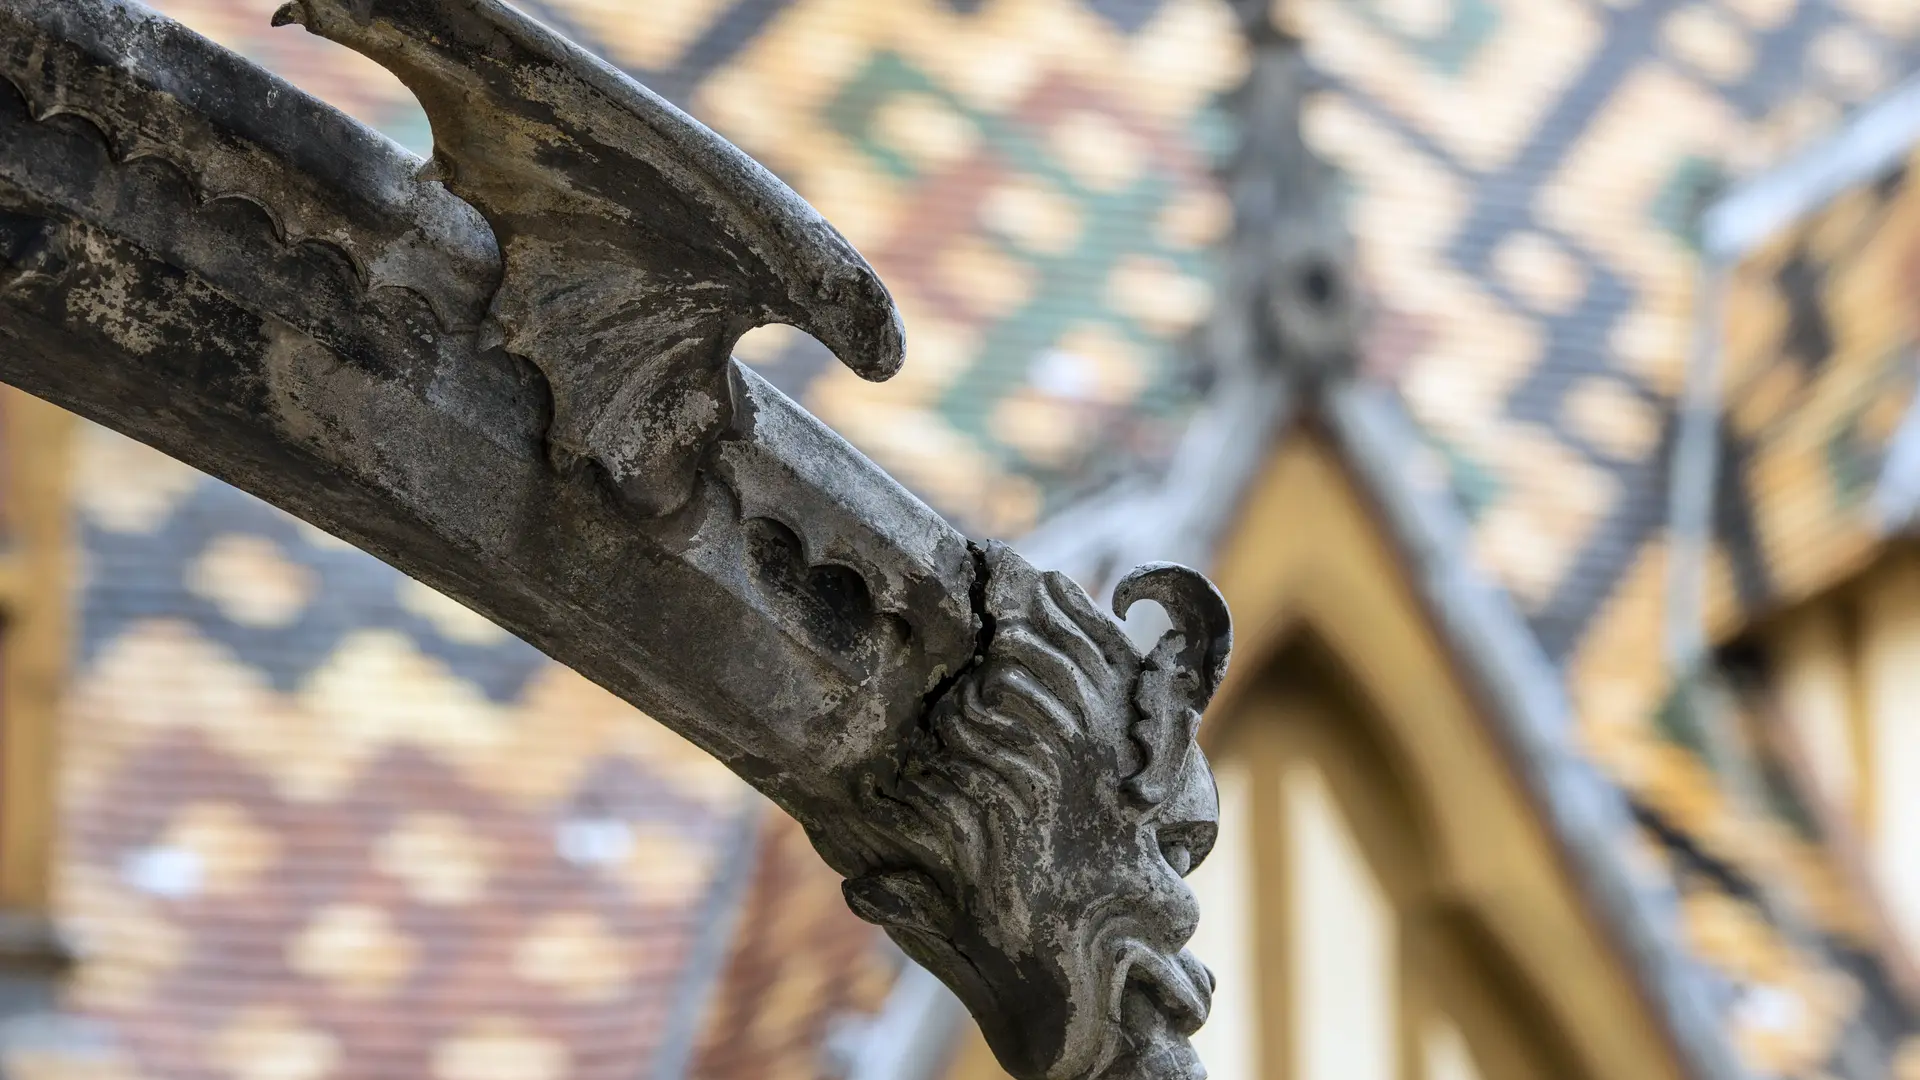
1596 524
1568 733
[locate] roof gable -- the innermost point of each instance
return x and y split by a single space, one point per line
1309 554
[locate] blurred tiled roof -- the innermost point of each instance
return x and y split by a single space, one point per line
1554 292
1818 399
1525 183
799 969
1823 356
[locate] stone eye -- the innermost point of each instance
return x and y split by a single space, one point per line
1178 855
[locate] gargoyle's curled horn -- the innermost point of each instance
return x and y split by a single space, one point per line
1199 615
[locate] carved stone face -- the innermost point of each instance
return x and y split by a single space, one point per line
1063 801
1109 937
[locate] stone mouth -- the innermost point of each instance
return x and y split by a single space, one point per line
1156 1048
1160 1001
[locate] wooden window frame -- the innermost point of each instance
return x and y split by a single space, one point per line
1304 713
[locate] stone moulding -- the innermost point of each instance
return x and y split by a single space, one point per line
507 372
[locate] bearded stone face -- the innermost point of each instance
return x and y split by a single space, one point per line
1061 800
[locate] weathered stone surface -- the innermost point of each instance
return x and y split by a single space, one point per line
507 373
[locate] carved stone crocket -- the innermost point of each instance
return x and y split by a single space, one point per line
636 245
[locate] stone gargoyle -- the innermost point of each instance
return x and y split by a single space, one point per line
507 372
